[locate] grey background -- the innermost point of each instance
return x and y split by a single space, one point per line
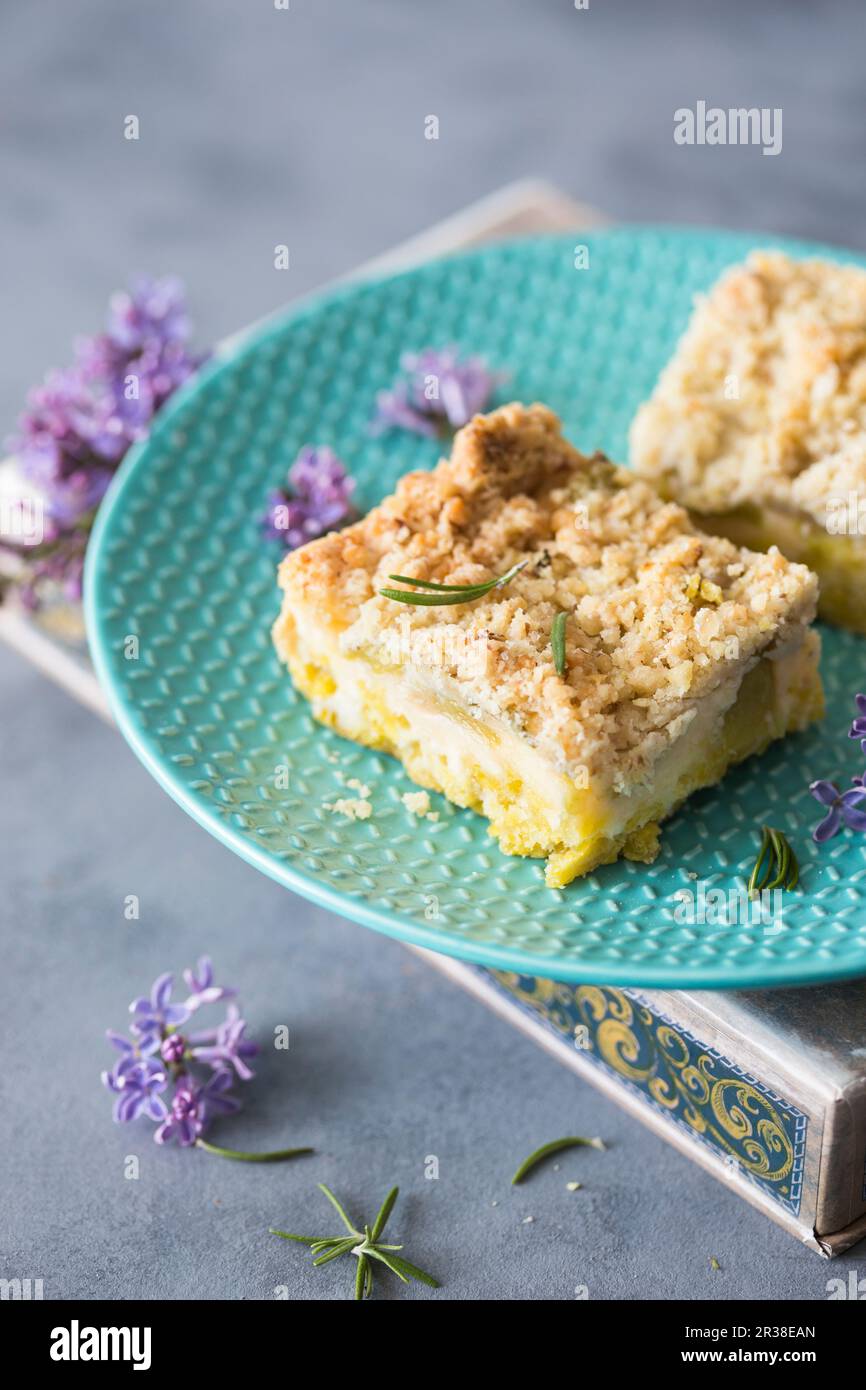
306 127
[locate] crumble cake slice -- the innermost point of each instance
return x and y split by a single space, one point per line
758 423
683 653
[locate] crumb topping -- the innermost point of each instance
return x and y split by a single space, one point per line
767 383
659 616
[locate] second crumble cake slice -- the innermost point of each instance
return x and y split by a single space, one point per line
683 653
758 422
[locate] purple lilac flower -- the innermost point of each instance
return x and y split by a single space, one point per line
173 1049
185 1120
80 422
226 1047
152 310
201 986
318 499
194 1104
160 1071
438 388
858 726
215 1098
154 1015
843 808
393 411
137 1083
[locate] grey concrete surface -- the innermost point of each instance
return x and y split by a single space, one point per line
306 127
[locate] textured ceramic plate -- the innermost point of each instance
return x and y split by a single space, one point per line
177 562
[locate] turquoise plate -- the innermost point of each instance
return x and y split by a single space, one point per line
177 562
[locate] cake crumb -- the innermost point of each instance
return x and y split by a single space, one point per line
574 1186
354 808
358 787
416 802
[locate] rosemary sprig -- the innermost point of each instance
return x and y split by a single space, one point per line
445 594
557 642
366 1245
572 1141
780 858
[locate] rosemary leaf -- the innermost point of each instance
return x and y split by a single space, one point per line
445 594
286 1235
375 1253
406 1267
337 1207
572 1141
781 869
557 642
275 1156
432 600
438 588
342 1248
384 1212
782 852
755 885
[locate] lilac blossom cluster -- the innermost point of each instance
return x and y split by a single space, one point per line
438 390
318 499
80 422
844 808
179 1079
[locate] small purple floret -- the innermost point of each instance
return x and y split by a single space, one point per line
201 986
226 1046
185 1120
180 1081
137 1083
173 1049
317 500
153 1016
858 725
842 809
438 389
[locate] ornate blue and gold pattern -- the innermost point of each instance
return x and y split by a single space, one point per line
697 1088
